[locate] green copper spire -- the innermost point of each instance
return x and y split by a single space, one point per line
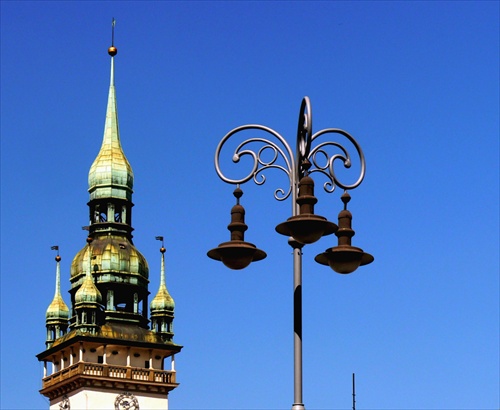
88 292
57 315
115 285
57 310
162 301
111 175
162 306
88 301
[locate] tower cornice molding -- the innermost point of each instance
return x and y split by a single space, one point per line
134 336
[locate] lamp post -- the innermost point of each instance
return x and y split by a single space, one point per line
304 226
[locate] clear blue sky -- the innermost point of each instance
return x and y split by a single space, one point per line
417 83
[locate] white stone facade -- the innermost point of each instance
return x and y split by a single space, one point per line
93 399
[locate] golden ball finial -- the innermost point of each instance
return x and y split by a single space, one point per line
112 51
58 258
162 250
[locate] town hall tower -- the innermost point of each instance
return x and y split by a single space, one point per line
103 352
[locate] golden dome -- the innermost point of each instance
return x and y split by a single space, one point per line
110 253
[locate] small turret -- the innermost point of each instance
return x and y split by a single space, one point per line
57 315
88 300
162 306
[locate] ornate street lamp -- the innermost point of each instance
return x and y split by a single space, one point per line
304 226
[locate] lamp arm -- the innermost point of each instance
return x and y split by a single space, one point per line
259 165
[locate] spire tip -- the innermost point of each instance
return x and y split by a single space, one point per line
112 51
56 248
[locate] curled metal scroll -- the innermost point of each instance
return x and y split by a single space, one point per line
320 160
259 164
328 168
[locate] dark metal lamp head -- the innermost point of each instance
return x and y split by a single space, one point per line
237 254
306 227
344 258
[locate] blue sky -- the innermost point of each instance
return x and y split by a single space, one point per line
416 83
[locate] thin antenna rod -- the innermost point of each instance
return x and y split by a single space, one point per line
353 392
113 22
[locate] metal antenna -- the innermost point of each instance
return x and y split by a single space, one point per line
113 22
353 392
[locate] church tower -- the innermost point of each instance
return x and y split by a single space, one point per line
101 353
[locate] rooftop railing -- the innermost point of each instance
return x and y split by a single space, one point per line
108 371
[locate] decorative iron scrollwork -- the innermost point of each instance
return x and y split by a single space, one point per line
315 159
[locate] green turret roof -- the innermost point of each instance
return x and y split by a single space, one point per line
162 301
88 292
111 175
57 310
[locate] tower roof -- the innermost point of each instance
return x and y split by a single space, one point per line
57 310
88 292
162 302
110 270
110 253
111 175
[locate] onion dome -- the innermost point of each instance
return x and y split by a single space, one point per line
162 301
88 292
57 310
110 254
111 175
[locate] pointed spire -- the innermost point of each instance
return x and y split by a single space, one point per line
57 314
111 174
57 308
88 292
162 302
162 306
114 288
